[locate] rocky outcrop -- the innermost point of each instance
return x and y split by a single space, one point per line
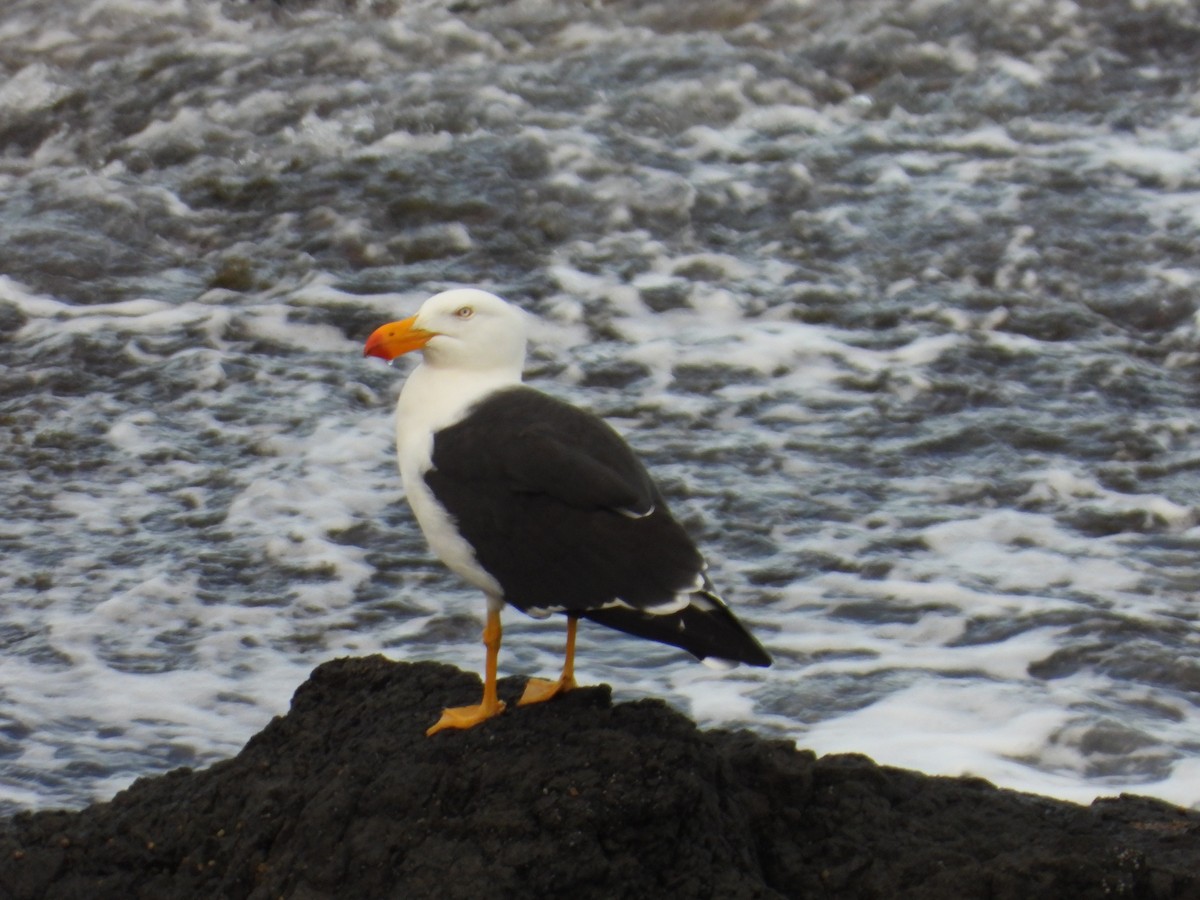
345 797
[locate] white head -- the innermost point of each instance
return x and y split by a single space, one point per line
464 328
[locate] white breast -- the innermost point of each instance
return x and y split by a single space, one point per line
433 399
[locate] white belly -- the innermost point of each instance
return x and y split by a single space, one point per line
438 527
432 400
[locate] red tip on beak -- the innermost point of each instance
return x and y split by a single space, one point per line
396 338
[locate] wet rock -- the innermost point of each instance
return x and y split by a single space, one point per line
346 797
11 318
666 297
699 378
235 273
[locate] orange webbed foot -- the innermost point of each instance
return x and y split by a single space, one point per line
539 690
466 716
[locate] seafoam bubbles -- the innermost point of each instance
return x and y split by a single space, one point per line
1017 551
32 89
974 721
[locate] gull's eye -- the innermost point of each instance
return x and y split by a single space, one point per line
464 312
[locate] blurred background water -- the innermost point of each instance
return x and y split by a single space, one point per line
898 300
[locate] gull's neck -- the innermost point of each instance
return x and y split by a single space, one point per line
435 396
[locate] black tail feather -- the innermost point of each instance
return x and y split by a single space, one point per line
704 628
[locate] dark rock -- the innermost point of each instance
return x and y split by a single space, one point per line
614 373
346 797
11 318
666 297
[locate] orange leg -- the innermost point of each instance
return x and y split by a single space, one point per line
470 716
538 690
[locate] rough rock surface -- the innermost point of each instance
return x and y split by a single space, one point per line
345 797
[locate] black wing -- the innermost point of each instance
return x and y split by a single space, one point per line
563 515
557 507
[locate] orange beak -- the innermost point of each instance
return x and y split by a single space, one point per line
396 338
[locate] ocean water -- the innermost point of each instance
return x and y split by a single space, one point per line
898 301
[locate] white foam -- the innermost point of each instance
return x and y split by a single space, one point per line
986 730
31 89
1027 552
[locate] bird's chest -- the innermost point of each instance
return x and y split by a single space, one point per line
415 452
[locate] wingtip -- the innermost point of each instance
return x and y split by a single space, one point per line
748 649
704 627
